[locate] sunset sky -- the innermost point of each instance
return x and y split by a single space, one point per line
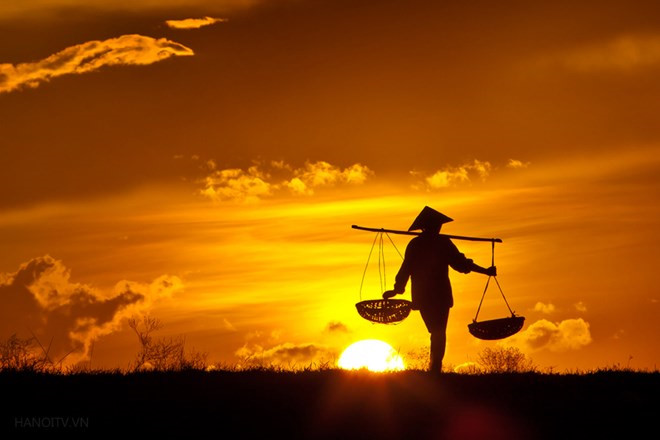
203 162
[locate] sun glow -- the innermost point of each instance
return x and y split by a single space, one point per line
372 354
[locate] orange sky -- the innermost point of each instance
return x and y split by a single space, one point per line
207 171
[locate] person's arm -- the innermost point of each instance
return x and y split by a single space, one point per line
460 263
491 271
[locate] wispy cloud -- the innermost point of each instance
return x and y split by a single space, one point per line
226 325
260 181
569 334
517 164
40 297
625 53
193 23
580 306
88 57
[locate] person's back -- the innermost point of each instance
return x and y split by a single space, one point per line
427 262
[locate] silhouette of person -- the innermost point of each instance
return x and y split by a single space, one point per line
426 262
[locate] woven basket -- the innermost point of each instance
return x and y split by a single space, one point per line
384 311
496 328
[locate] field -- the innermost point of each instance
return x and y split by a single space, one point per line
331 404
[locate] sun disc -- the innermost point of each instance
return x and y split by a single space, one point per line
372 354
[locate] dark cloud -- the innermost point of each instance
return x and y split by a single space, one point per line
336 327
29 8
39 298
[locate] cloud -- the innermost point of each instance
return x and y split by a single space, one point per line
619 334
40 297
544 308
625 53
318 174
193 23
580 306
453 176
336 327
287 354
88 57
517 164
228 325
570 334
260 181
236 184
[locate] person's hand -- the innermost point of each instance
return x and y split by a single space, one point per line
491 271
388 294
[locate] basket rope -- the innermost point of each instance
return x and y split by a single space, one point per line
382 273
395 248
381 262
498 286
383 311
495 328
366 266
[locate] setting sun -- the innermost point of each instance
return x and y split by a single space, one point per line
372 354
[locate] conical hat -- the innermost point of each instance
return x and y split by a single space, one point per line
429 218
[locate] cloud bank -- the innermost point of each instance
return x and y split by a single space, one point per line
193 23
261 181
40 298
570 334
88 57
287 354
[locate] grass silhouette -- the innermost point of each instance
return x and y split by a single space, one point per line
334 404
504 396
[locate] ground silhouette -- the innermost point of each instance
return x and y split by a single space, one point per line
331 404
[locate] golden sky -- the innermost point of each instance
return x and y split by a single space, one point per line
203 162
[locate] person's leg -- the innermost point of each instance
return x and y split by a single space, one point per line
436 323
438 344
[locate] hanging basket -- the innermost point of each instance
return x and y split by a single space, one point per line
496 328
384 311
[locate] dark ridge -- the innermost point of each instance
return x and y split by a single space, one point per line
331 404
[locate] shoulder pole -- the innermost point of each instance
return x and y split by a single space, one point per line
455 237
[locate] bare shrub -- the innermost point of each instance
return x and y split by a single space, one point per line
19 354
195 360
162 354
504 360
418 359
